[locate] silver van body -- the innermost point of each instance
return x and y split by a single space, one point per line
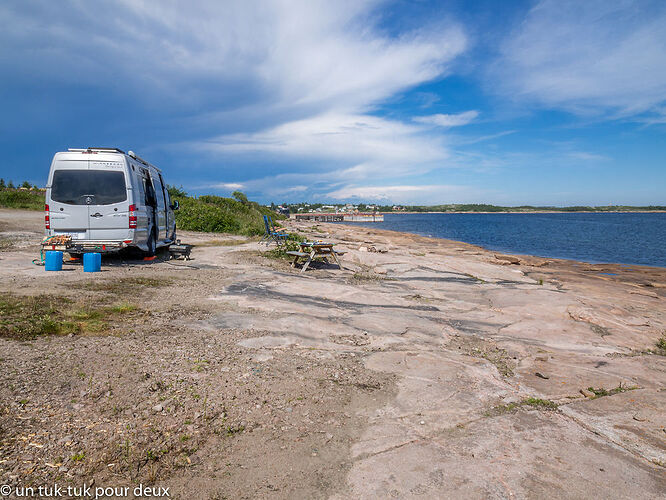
107 200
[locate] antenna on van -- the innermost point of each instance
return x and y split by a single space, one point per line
137 157
115 150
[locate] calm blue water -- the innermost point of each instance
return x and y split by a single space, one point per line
625 238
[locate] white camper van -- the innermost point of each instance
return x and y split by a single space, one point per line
107 200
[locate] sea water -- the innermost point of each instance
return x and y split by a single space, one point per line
624 238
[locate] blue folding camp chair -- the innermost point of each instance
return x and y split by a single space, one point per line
271 234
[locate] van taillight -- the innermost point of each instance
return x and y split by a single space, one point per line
132 216
47 218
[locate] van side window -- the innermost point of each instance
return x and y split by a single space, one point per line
158 191
165 193
150 193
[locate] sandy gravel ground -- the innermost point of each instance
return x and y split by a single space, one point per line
425 368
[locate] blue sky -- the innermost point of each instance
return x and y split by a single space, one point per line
524 102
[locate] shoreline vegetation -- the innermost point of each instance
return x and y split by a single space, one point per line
457 208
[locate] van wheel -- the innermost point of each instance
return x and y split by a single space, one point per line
151 244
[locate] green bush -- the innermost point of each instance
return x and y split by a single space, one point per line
18 198
211 213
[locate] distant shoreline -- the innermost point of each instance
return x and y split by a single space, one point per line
537 212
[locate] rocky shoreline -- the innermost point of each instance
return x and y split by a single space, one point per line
424 367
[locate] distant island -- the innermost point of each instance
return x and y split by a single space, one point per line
453 208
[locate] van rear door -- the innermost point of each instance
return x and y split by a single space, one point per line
67 206
108 212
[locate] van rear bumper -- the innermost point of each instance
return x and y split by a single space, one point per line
88 246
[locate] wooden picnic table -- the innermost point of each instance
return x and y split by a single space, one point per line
315 249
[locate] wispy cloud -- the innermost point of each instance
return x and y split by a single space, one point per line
230 186
300 57
348 140
587 57
448 121
489 137
409 194
584 155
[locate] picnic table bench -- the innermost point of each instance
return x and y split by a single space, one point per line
312 250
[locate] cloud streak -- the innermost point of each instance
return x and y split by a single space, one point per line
587 57
448 121
407 194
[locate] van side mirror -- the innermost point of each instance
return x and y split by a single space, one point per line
175 205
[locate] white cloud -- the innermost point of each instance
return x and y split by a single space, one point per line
293 57
585 156
407 194
591 56
448 121
228 185
342 146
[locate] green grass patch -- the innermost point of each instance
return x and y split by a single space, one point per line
290 245
6 244
124 286
540 404
123 308
536 403
601 392
661 345
30 199
280 253
27 317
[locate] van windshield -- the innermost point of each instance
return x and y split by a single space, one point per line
88 187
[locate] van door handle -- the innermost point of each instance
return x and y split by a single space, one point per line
97 215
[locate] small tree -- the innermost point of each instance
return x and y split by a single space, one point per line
2 183
176 192
10 185
25 185
239 196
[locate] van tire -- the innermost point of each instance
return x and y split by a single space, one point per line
152 247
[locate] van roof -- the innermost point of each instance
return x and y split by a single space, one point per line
91 149
94 150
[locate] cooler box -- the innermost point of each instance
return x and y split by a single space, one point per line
92 262
53 261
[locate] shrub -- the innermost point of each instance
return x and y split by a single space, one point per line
13 198
211 213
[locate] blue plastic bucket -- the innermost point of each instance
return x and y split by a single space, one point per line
53 261
92 262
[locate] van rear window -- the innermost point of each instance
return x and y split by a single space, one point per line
88 187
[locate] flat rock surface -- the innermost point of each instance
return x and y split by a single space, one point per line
430 369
